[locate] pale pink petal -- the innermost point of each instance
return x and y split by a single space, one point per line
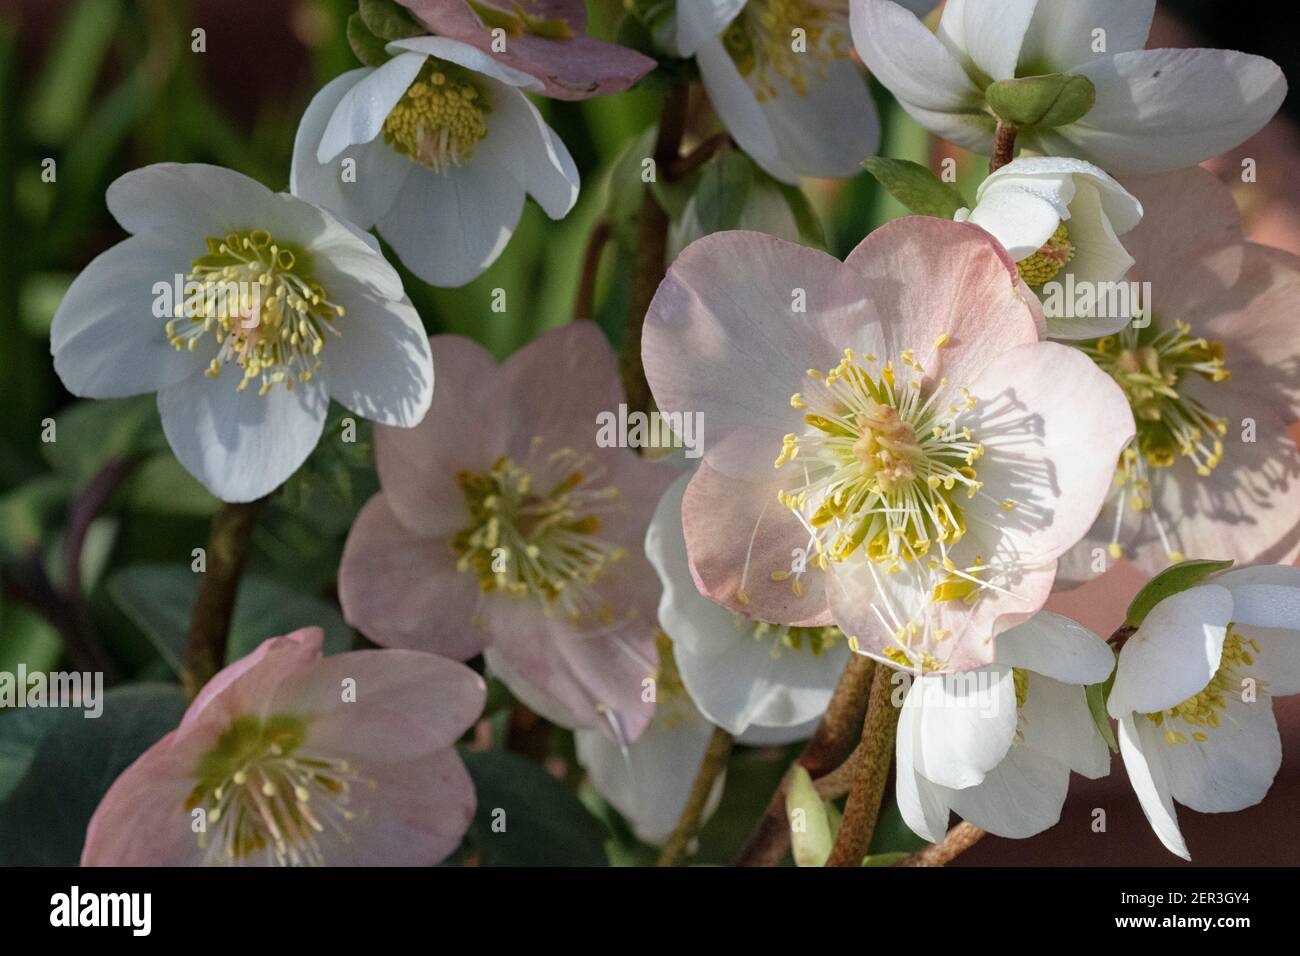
402 589
462 430
737 537
736 323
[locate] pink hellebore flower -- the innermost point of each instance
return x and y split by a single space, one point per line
290 758
503 527
547 39
933 457
1214 383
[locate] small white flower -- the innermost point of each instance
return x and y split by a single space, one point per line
765 683
1194 691
436 149
649 780
1060 219
997 745
780 76
1155 110
284 307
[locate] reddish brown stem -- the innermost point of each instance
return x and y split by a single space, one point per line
959 839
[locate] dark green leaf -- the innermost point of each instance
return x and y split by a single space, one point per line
43 820
158 598
544 823
368 47
388 20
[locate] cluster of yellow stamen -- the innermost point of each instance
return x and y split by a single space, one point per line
262 793
1154 367
440 119
258 297
884 464
763 43
1203 711
542 542
1044 264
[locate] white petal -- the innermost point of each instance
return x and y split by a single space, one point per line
967 722
1138 744
699 21
1020 220
1174 653
650 780
519 140
360 113
991 32
1159 110
909 60
184 203
448 227
381 368
1061 35
1018 798
472 58
380 169
106 340
1056 647
737 681
734 101
241 445
1233 767
923 805
1266 596
829 130
1278 659
1056 721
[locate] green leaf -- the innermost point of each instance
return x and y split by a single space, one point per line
916 187
161 485
386 20
892 834
21 732
30 512
43 819
90 432
541 822
80 44
811 843
1055 99
1170 581
368 48
157 598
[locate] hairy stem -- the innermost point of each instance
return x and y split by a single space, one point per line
1004 145
959 839
649 263
688 824
831 743
214 607
871 772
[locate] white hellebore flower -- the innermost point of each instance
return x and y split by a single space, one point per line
1155 110
284 306
781 77
1060 220
764 683
435 149
997 745
1194 691
649 780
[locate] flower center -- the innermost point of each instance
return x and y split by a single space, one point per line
522 541
1203 711
772 40
263 791
440 119
259 299
885 465
1044 264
